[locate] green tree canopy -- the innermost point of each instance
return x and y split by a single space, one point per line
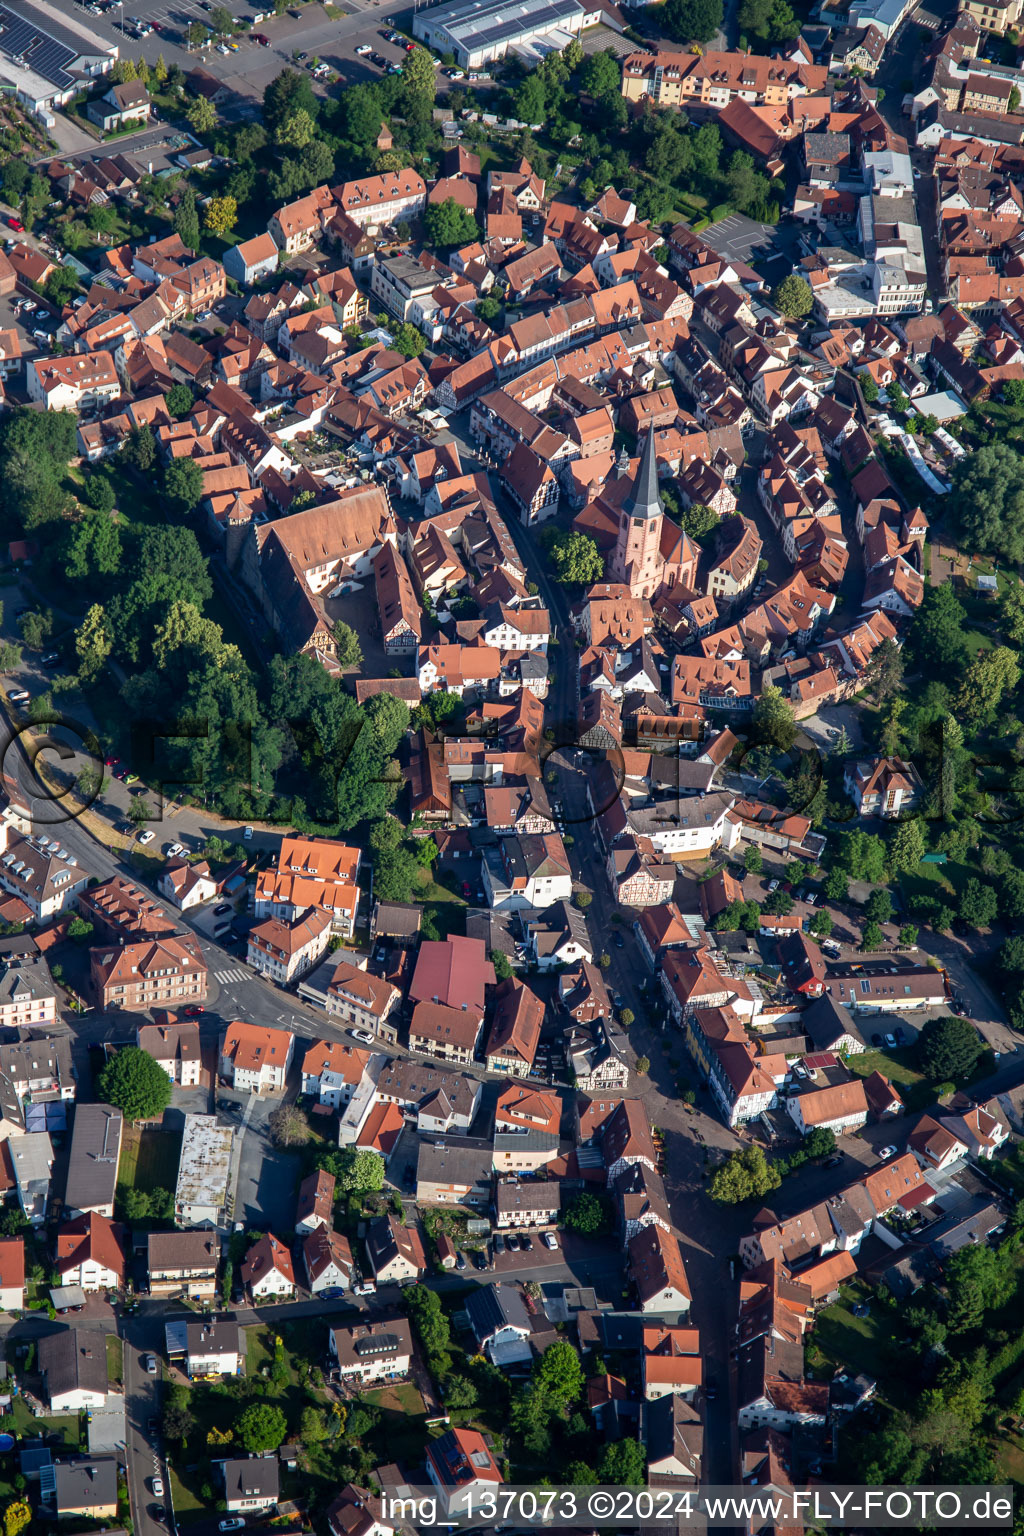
449 223
948 1049
692 21
792 297
987 504
261 1427
135 1084
586 1215
745 1175
575 557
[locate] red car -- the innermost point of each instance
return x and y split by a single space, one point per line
262 39
409 47
15 224
111 762
194 1011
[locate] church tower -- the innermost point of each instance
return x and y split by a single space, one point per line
638 560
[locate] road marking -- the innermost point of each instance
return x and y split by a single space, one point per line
239 973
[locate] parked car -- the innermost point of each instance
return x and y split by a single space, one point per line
235 1524
247 834
149 1366
550 1241
512 1243
158 1485
224 906
885 1154
50 659
460 1261
773 885
499 1243
480 1259
362 1035
891 1041
147 836
15 224
833 1162
193 1011
18 696
526 1242
618 940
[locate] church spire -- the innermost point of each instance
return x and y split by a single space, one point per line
643 499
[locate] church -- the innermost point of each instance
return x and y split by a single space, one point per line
651 552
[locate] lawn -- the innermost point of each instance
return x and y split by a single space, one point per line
404 1420
149 1158
115 1359
917 1091
859 1343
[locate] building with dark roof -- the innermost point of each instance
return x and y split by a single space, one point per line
95 1150
73 1364
252 1483
500 1323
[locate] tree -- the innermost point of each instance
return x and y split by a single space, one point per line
979 904
778 903
793 297
872 937
288 1126
179 400
753 859
692 21
221 215
773 723
349 651
135 1084
98 493
575 557
820 1143
559 1374
10 656
878 907
623 1463
93 643
937 633
448 223
745 1175
36 627
862 856
586 1215
61 285
418 78
183 484
202 118
948 1049
296 130
821 923
313 1428
530 102
261 1427
186 215
140 448
699 521
16 1517
907 848
987 504
908 934
989 677
502 965
359 1171
836 885
884 671
408 340
582 900
79 930
627 1018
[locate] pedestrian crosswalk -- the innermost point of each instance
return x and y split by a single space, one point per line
236 973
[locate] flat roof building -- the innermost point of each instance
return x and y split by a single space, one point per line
46 54
479 31
204 1172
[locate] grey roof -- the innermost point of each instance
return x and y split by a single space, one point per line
85 1484
26 981
252 1477
447 1163
827 1021
492 1307
38 1056
643 500
183 1250
533 1195
95 1147
673 1428
218 1336
74 1358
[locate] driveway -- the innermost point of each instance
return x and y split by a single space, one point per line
267 1177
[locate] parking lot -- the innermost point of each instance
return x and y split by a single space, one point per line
302 36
